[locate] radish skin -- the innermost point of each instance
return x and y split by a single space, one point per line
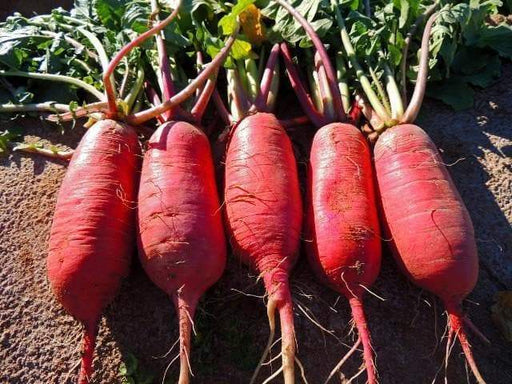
182 246
92 235
418 193
264 215
344 247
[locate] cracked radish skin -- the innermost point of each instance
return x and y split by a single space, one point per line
92 235
181 238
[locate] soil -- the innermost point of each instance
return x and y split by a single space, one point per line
39 342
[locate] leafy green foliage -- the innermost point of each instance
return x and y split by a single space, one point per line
6 137
288 29
461 30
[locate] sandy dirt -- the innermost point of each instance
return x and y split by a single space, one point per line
39 342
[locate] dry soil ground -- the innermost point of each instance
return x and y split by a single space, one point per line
39 342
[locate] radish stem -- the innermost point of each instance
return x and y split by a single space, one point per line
323 85
51 153
407 42
253 79
37 107
421 83
380 90
274 88
363 80
221 108
135 90
266 81
341 74
188 91
298 86
123 52
397 108
329 71
61 78
202 101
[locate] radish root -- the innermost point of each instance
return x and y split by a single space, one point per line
362 328
185 308
89 341
343 360
456 324
271 310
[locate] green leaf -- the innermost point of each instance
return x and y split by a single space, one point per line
488 76
228 23
455 92
110 12
241 49
498 38
6 137
404 13
131 363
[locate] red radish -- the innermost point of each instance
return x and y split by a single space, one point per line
264 215
431 231
262 195
342 226
181 237
433 238
343 245
92 235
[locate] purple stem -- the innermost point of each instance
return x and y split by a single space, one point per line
300 91
204 97
323 84
167 84
266 82
221 108
329 71
154 99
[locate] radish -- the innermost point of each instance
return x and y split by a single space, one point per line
102 179
263 208
342 226
92 235
181 238
432 235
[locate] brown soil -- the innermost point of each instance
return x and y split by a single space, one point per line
39 342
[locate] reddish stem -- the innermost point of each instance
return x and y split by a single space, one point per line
184 94
154 99
199 64
167 85
421 83
266 81
362 328
323 84
204 97
221 108
89 341
329 71
109 87
300 90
